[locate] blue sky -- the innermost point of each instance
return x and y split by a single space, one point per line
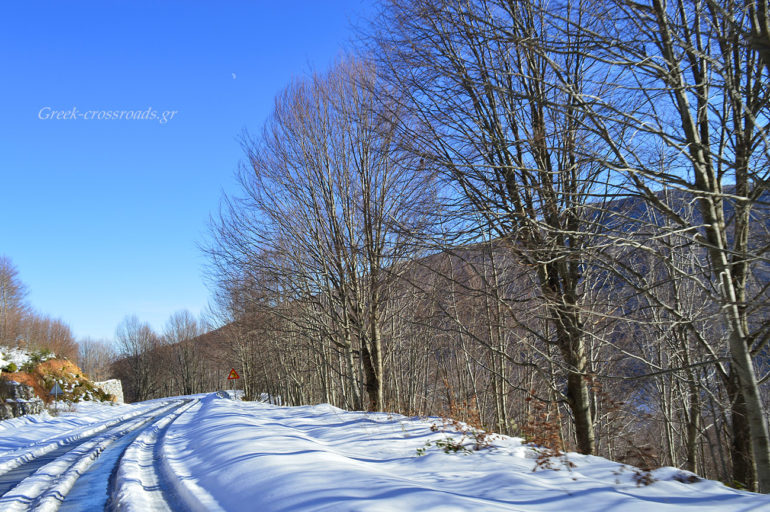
102 217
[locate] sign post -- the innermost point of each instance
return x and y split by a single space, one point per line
232 378
55 391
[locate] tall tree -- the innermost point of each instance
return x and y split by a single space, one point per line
328 198
688 111
509 143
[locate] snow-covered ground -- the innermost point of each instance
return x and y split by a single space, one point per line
212 453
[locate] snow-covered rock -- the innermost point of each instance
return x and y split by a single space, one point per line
17 400
113 387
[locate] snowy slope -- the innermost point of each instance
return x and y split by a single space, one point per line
227 454
220 454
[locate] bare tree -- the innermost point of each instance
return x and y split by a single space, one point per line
687 111
329 196
13 306
95 358
136 342
41 332
509 144
180 332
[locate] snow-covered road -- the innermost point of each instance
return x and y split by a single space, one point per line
43 474
209 453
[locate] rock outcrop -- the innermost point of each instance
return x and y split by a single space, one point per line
17 400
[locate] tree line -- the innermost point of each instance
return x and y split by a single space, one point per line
21 326
150 364
179 360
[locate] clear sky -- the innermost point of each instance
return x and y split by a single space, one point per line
102 217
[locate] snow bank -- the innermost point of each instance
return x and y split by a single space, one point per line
229 455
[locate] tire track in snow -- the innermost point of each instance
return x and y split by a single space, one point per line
31 456
140 482
44 483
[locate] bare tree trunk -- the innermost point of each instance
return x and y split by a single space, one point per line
693 424
744 471
579 399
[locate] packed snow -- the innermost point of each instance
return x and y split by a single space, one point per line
214 453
